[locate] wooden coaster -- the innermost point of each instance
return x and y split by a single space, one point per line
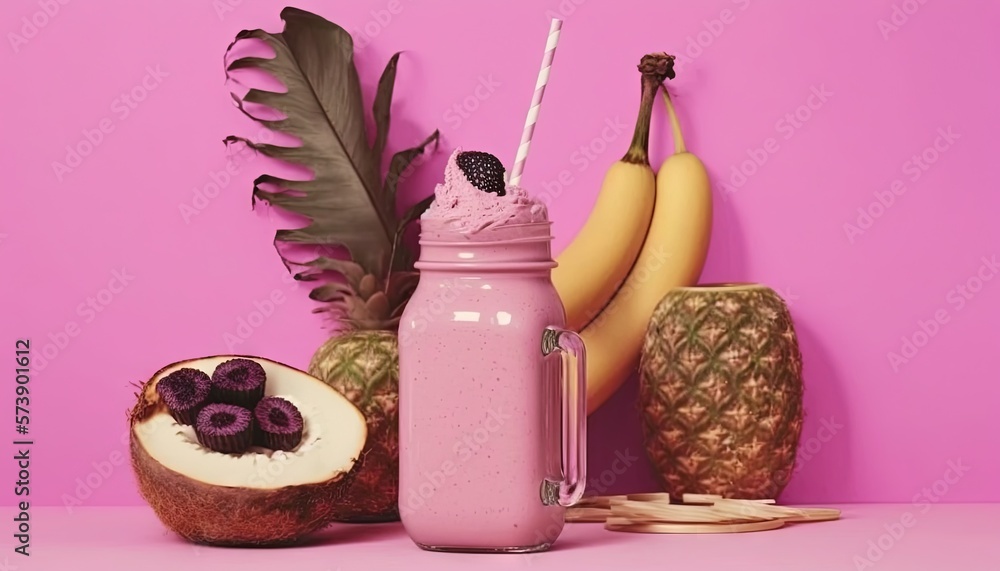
650 497
712 498
740 508
674 513
625 524
594 502
698 512
806 515
587 515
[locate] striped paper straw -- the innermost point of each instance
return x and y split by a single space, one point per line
536 102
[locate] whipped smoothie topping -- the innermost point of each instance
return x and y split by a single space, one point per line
473 197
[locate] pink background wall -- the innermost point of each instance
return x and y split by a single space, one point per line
750 66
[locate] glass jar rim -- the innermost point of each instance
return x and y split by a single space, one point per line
497 238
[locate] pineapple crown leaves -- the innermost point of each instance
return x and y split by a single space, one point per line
360 299
346 203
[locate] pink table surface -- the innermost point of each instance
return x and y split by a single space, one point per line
962 537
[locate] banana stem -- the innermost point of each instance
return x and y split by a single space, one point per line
674 124
654 68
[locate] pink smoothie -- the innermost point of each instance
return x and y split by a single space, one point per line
463 212
479 408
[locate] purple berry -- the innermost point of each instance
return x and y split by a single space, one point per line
483 170
279 424
239 382
184 392
225 428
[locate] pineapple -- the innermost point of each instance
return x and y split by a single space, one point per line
721 391
362 363
364 367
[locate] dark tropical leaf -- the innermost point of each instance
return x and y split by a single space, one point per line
332 291
380 108
402 257
399 289
416 211
351 271
345 201
400 165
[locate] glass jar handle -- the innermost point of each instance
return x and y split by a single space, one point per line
573 396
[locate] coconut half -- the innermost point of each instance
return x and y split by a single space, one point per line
260 497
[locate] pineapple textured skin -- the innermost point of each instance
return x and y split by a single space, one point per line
364 367
721 392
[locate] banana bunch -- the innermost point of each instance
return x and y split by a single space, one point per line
647 234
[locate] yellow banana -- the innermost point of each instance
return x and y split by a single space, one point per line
672 255
594 265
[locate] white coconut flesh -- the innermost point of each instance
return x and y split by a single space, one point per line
333 436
